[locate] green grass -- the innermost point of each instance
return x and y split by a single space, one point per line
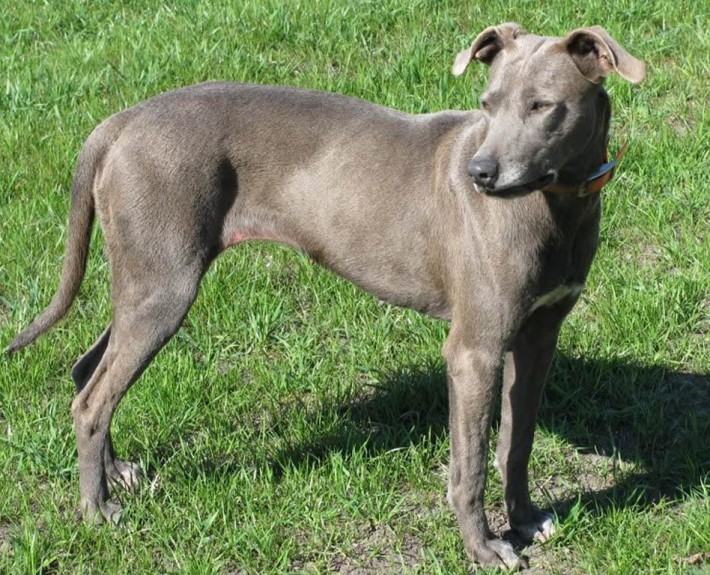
294 424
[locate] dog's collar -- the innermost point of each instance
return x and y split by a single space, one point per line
595 181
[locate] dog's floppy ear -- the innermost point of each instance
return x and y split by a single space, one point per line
487 45
597 54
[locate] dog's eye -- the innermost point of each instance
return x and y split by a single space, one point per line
539 106
485 105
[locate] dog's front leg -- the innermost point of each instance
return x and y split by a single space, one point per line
473 371
526 367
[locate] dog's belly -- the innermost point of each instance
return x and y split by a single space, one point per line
384 275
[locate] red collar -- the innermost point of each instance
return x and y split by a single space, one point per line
595 181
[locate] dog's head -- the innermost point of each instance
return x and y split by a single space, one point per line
544 103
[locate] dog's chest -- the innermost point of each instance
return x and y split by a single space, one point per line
557 255
556 295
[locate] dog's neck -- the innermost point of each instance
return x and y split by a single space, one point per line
578 169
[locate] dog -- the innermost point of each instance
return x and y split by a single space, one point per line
486 218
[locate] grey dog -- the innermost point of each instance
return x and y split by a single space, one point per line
487 218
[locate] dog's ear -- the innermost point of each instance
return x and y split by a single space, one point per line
487 45
597 54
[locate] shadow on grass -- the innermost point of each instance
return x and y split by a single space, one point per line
654 417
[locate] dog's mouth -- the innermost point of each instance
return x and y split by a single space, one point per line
521 189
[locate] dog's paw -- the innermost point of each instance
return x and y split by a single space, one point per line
539 526
124 474
98 513
495 552
112 512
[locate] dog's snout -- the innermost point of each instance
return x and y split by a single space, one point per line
484 171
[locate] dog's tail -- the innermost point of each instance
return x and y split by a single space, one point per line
81 218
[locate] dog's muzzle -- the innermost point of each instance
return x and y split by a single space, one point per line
484 172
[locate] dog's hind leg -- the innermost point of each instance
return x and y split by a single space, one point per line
526 367
120 473
86 365
148 310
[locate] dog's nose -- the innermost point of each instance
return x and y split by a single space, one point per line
484 171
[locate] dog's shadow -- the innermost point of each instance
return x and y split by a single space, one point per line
653 418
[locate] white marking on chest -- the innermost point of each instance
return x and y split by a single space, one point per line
557 295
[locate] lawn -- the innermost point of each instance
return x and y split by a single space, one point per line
294 424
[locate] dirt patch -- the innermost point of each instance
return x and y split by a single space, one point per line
5 540
698 559
649 255
681 125
583 473
379 550
697 564
376 550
